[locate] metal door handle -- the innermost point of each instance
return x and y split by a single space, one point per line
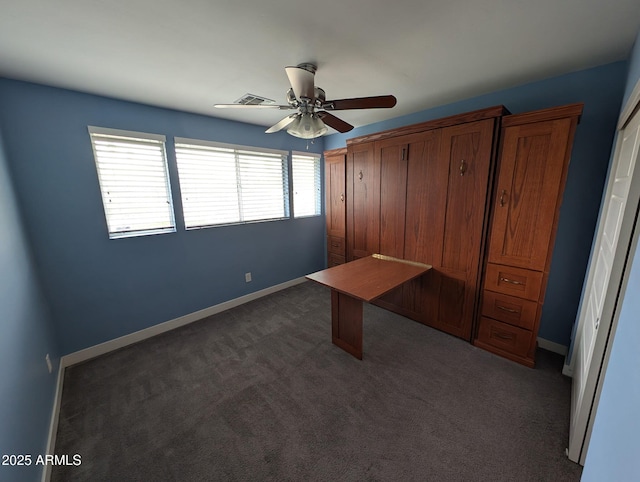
463 167
513 282
504 308
342 197
504 191
360 175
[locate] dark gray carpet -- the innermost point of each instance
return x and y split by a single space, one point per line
260 393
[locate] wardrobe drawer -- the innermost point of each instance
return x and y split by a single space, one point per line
504 337
335 260
519 282
336 245
512 310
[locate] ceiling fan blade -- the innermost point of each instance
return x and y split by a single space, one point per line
333 121
378 102
282 124
301 81
251 106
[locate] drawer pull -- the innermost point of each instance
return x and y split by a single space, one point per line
335 245
504 336
513 282
508 310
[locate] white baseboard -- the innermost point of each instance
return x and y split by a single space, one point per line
53 425
553 346
106 347
567 371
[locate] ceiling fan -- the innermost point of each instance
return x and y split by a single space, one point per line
311 105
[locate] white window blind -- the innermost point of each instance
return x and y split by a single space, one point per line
223 184
134 182
307 199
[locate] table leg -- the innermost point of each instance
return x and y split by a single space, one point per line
346 323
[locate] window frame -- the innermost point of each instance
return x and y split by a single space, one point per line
133 136
237 149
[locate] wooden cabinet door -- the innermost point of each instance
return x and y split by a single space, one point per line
426 197
335 169
363 201
527 193
455 218
393 156
396 155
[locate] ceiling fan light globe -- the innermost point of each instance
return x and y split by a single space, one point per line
307 126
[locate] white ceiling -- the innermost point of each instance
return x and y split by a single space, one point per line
191 54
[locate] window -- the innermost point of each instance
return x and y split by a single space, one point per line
306 185
134 182
224 184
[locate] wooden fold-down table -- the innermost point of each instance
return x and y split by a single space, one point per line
361 280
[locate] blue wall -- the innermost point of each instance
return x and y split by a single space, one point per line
26 387
614 447
634 70
600 89
100 289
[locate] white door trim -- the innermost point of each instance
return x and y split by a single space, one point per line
582 416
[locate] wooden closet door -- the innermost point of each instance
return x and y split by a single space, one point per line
527 194
456 221
363 195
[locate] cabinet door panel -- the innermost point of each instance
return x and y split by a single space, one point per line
465 160
527 194
467 151
335 167
393 193
363 183
395 155
424 214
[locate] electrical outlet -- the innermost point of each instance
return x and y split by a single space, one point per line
247 277
49 365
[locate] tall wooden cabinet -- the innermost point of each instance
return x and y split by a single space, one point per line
533 164
435 193
335 205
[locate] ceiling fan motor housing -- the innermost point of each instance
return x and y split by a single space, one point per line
308 67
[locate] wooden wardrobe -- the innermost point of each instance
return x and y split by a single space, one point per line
423 193
533 164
